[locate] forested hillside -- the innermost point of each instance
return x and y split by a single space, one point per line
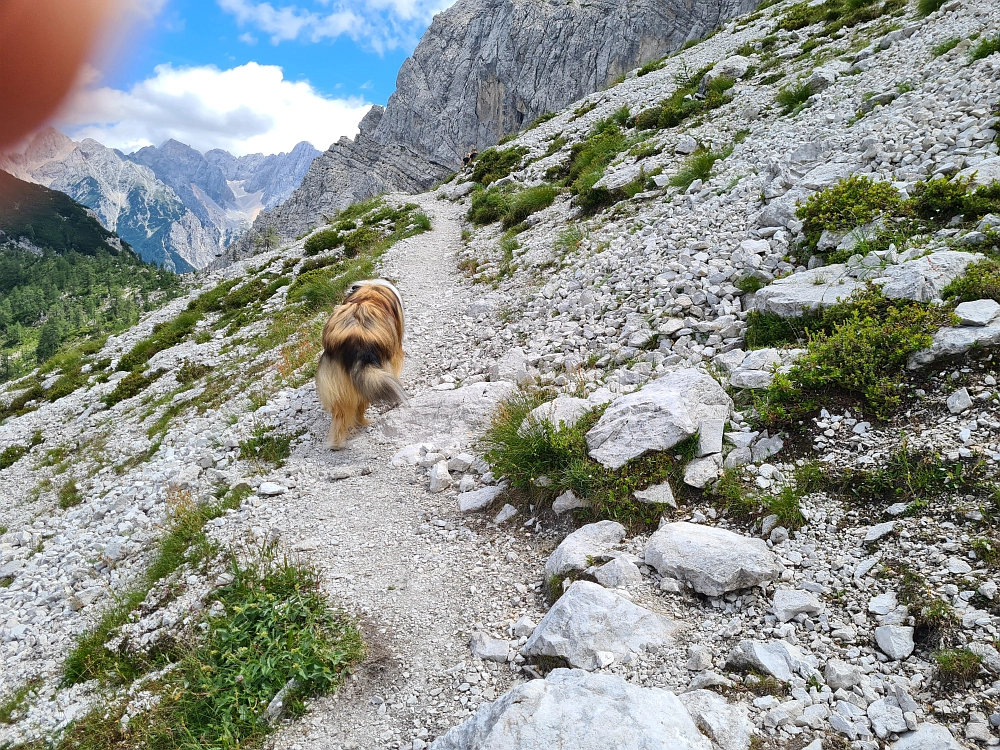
63 277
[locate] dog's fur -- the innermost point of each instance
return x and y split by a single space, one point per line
362 357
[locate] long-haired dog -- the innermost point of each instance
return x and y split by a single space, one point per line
362 357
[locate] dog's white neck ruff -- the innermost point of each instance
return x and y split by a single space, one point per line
387 285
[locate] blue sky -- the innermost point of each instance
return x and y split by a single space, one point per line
246 75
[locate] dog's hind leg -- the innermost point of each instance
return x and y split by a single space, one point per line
336 439
360 418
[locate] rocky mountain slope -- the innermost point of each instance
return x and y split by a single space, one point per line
176 207
701 450
481 71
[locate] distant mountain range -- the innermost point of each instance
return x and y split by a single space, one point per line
175 206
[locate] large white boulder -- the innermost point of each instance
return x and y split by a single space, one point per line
577 551
712 561
724 723
561 412
797 293
779 659
924 279
657 417
928 736
573 710
590 627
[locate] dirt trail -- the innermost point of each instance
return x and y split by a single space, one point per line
418 590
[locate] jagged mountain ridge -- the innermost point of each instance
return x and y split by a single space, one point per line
176 207
483 70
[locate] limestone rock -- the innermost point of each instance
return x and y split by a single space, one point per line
657 494
561 412
779 659
725 724
490 649
439 416
712 561
617 574
895 641
928 736
656 417
577 550
589 619
788 603
478 499
978 313
574 710
840 674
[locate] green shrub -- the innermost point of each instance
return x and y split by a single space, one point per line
941 199
720 85
981 280
543 118
361 240
852 202
651 66
988 551
325 239
588 161
926 7
11 455
189 372
526 202
792 97
698 166
863 354
488 206
986 47
493 164
684 102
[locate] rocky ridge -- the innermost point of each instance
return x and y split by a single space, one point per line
802 637
481 71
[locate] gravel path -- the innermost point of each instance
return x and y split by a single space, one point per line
392 552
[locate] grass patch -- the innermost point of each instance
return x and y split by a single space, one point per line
926 7
933 616
981 280
541 460
494 164
987 46
324 239
69 495
14 453
189 372
278 633
685 102
183 542
698 166
862 351
791 98
12 706
946 46
957 667
267 445
837 14
131 385
508 206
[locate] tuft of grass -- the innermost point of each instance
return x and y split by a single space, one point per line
14 453
652 66
509 206
698 166
324 239
267 445
69 495
946 46
988 551
131 385
568 240
987 46
852 202
791 98
957 667
541 460
10 708
189 372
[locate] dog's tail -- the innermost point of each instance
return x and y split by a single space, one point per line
375 384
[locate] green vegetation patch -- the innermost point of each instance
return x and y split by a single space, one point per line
864 354
69 495
837 14
324 239
16 704
852 202
132 385
541 461
494 164
267 445
278 633
698 166
987 46
685 102
792 98
14 453
946 46
509 206
981 280
957 667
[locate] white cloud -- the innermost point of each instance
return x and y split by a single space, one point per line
381 24
247 109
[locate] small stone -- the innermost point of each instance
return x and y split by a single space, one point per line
658 494
478 499
895 641
978 313
567 501
440 478
882 604
710 433
578 550
788 603
879 530
490 649
270 489
618 574
839 674
959 401
506 513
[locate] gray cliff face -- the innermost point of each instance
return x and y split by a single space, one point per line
486 68
196 181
